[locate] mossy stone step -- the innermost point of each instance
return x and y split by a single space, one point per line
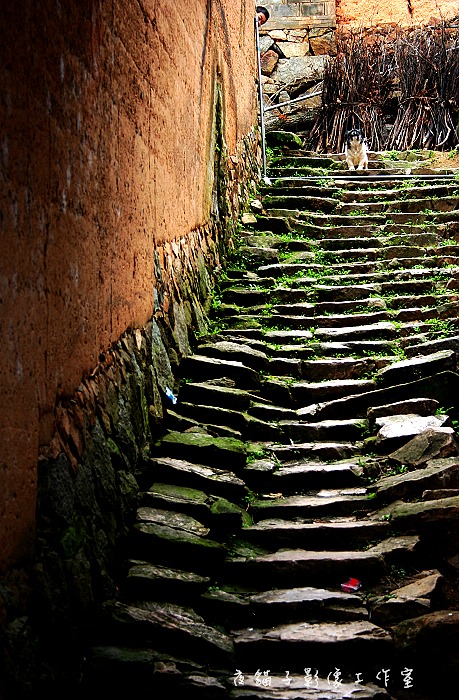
203 449
173 547
212 415
211 480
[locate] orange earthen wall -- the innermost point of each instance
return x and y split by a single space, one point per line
107 110
402 12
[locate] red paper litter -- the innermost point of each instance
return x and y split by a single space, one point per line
351 585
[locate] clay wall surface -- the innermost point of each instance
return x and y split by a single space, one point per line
108 116
401 12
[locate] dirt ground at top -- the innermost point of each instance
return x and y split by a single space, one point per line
445 159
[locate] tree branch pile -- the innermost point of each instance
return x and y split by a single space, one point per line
356 86
418 66
427 62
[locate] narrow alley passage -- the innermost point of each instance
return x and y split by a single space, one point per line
297 536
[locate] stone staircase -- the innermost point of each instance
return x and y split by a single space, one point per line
298 530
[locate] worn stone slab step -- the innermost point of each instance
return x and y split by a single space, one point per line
305 393
244 297
292 604
327 503
177 422
340 368
426 348
361 319
211 415
200 448
238 352
417 368
299 567
170 629
442 387
334 535
109 670
322 204
308 476
376 331
216 395
412 192
348 645
200 369
292 351
436 474
412 205
349 243
350 306
315 450
310 689
173 547
333 430
290 321
155 582
211 480
360 347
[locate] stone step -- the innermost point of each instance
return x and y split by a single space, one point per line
199 368
348 645
319 535
211 480
374 331
321 431
169 628
320 203
305 393
341 368
201 449
413 205
442 387
304 687
312 475
326 503
302 568
314 450
174 547
155 582
306 603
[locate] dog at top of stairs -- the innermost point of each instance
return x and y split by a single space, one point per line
355 150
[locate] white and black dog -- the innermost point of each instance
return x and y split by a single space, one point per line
355 150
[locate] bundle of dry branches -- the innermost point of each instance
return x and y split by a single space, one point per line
357 83
427 63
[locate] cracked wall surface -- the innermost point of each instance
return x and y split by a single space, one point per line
402 12
107 151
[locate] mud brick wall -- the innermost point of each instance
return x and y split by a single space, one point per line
401 12
122 131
